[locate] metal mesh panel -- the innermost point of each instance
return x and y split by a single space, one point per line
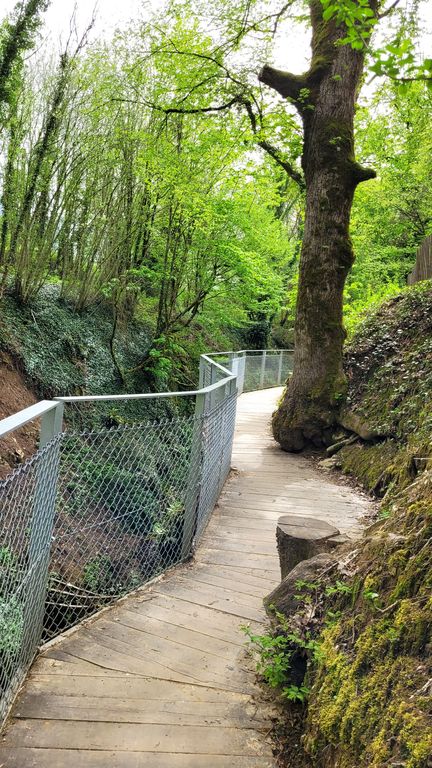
27 503
99 414
287 365
265 369
216 440
120 514
253 368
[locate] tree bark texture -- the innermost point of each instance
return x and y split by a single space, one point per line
325 97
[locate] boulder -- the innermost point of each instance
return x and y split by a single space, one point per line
331 463
354 422
283 597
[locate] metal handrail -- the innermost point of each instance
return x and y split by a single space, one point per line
51 425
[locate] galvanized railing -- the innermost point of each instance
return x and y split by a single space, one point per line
99 511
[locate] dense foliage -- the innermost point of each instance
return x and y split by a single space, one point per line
165 218
126 180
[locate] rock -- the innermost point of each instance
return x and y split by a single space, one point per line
339 541
283 597
332 463
300 538
355 423
336 447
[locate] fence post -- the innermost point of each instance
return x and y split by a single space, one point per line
263 366
202 371
235 369
194 480
241 378
279 378
42 523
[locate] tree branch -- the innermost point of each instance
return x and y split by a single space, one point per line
288 168
182 110
389 10
288 85
275 153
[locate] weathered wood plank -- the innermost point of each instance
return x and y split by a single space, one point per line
132 687
49 706
132 737
77 758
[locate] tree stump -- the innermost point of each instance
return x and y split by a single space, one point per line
300 538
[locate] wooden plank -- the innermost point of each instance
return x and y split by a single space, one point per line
176 659
296 496
257 564
263 504
209 599
186 739
222 591
48 706
130 687
219 580
103 653
231 543
171 630
50 664
78 758
240 574
207 619
230 521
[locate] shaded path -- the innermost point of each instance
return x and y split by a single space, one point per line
161 680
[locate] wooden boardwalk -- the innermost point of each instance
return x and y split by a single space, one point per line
161 680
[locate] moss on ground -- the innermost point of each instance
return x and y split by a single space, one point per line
371 699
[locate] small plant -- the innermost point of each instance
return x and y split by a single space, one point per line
339 588
7 557
370 596
331 618
296 693
307 590
276 656
97 575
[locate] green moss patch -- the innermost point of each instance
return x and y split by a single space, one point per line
371 694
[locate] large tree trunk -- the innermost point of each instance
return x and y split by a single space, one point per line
325 97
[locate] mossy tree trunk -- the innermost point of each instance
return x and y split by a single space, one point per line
325 98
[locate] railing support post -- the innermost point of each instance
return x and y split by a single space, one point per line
202 370
238 369
279 378
263 366
194 480
42 523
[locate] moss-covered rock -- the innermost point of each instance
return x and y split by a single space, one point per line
389 370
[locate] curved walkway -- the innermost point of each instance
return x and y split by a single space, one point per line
161 680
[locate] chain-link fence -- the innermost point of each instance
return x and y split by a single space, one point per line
97 512
255 368
27 508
